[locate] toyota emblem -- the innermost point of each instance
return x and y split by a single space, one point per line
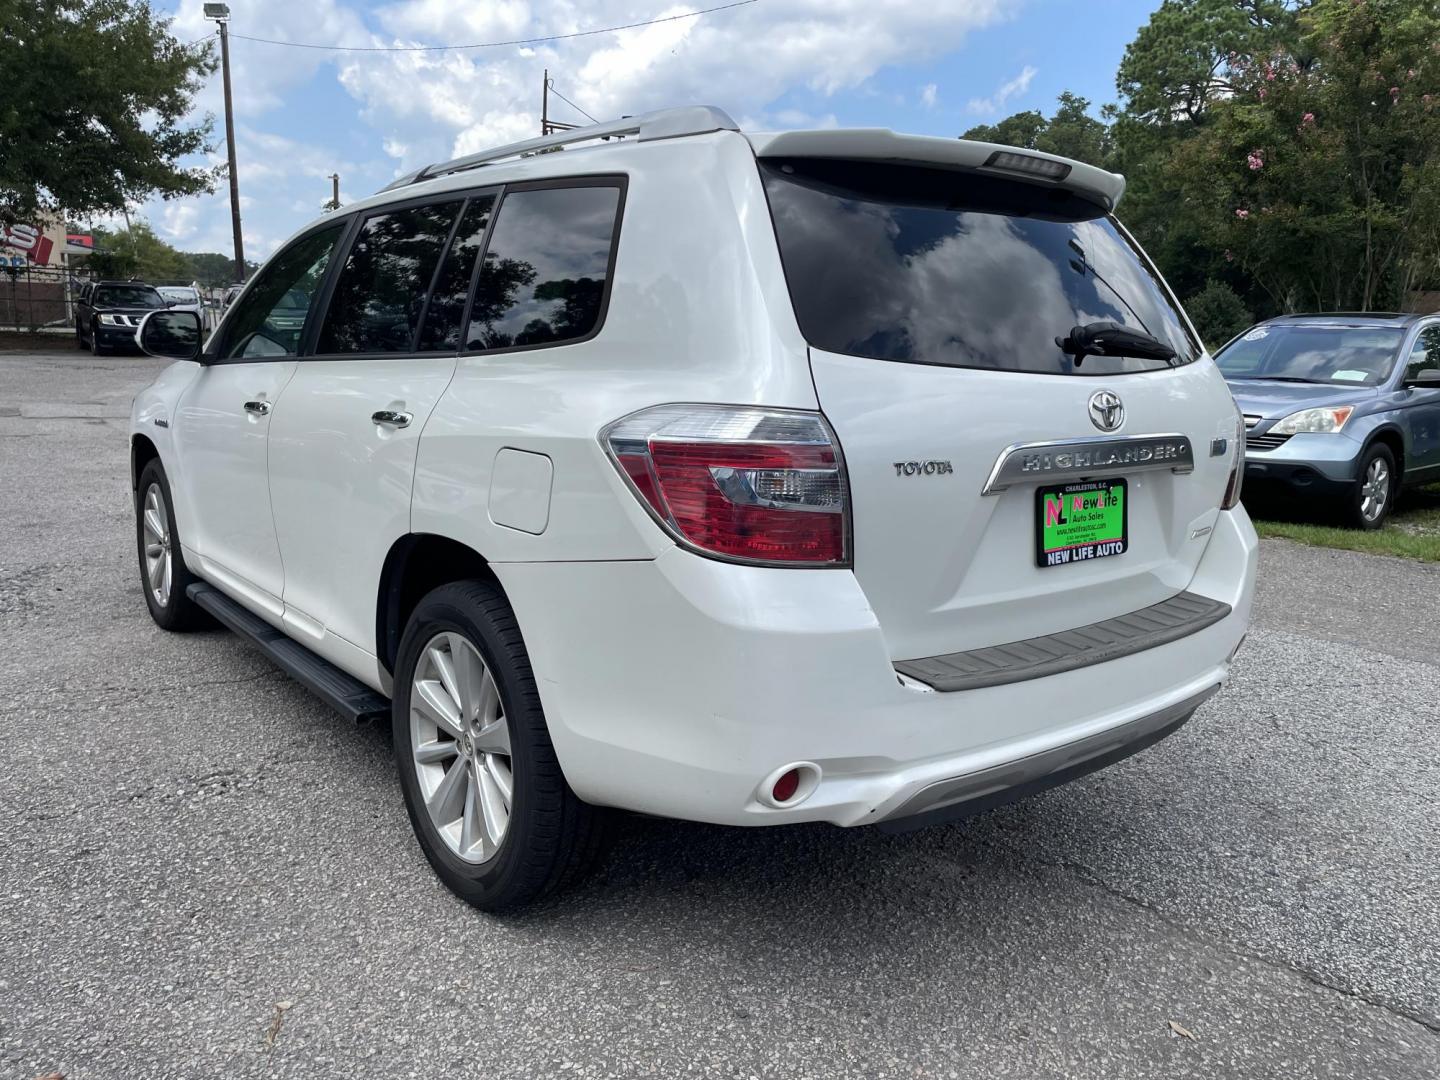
1107 411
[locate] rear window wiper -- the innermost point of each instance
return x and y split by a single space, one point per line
1113 339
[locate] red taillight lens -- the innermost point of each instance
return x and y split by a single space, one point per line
1237 470
758 485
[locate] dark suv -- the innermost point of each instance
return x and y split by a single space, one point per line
108 312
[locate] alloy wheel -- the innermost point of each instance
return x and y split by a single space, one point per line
460 743
1375 490
155 530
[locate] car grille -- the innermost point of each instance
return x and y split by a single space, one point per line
1269 441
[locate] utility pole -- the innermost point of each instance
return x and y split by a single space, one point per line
220 13
548 126
334 203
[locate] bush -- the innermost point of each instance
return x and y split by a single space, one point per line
1218 313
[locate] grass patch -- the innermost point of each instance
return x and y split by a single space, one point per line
1412 532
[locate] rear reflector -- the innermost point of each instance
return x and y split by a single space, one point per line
749 485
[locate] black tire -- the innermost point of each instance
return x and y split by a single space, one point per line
96 349
552 838
79 336
1360 510
177 612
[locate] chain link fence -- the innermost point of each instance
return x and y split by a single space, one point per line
38 297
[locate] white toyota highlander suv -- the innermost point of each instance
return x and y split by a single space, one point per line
834 476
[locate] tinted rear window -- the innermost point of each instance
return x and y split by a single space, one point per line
934 266
1362 355
545 269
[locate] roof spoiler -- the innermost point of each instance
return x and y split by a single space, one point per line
882 144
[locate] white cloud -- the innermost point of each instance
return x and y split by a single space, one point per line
996 101
435 104
770 64
929 94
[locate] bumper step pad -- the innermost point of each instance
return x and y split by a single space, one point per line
1034 658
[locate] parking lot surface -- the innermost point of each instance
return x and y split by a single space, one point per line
189 840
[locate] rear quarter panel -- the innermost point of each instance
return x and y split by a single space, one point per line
698 312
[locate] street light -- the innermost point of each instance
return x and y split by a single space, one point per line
220 13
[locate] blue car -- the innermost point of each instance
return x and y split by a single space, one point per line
1340 407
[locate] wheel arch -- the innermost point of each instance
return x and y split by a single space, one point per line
142 452
1393 439
415 564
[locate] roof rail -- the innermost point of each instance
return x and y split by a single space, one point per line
662 124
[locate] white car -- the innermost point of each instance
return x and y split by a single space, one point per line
836 476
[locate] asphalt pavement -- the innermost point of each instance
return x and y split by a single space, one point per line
204 873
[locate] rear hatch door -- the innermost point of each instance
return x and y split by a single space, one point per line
931 299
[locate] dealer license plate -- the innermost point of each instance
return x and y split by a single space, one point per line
1080 522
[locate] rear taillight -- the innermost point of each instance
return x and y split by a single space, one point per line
752 485
1237 469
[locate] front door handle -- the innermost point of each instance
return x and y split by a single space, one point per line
259 408
391 418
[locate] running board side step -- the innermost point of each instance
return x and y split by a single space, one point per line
343 692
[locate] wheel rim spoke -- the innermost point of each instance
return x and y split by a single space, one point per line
436 706
445 669
447 801
436 751
500 772
495 809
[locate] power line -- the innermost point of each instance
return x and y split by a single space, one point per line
567 101
493 44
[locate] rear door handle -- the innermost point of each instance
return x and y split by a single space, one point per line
259 408
391 418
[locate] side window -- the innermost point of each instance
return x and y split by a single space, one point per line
380 294
1426 353
271 319
543 279
452 284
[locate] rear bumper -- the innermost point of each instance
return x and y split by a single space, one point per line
676 686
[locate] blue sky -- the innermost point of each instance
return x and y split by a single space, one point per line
929 66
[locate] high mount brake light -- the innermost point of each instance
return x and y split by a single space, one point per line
745 484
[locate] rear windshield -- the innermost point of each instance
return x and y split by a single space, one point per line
1358 355
934 266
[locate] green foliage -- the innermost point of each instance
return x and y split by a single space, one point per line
136 252
93 100
1181 61
1218 313
1072 132
1289 148
213 269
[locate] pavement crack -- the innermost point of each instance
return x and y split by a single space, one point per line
1093 877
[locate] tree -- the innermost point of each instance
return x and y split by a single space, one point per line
1320 174
136 252
1181 61
1072 132
1218 313
94 96
213 269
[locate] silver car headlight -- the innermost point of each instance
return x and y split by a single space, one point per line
1327 419
113 320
